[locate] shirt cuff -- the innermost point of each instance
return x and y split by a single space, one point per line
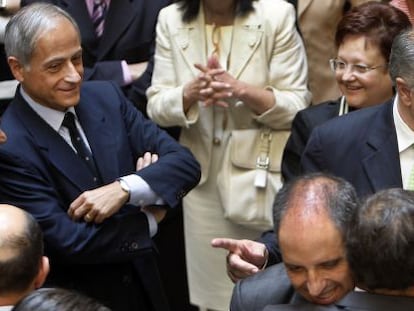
141 193
152 224
126 73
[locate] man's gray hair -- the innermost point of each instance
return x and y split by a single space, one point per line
402 58
27 25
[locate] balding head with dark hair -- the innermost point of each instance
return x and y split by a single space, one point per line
311 216
23 267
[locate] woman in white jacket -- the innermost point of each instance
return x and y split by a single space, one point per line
251 70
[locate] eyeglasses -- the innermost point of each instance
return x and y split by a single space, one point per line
340 66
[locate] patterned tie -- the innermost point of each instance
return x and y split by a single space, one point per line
98 16
82 150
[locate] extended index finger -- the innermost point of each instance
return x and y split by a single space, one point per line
231 245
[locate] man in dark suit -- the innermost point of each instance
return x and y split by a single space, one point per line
380 253
79 179
124 51
311 215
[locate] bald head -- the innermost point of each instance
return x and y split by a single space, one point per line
310 196
13 222
21 250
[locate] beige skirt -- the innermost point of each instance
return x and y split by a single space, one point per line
209 284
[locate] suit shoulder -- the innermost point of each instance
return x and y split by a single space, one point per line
270 286
357 120
315 115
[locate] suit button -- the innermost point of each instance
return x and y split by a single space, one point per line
216 141
133 246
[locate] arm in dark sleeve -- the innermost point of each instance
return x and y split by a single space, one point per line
176 172
30 187
295 146
268 238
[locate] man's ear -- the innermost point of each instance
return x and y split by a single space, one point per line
16 68
404 91
43 272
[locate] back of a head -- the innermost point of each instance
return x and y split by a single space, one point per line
401 63
336 196
380 242
380 23
58 299
21 250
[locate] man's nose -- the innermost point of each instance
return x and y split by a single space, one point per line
72 74
315 284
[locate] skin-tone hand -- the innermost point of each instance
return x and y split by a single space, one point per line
136 70
192 90
158 212
245 257
101 203
98 204
256 98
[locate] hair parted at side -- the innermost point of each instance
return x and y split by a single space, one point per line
190 8
18 272
380 242
337 196
27 25
58 299
378 22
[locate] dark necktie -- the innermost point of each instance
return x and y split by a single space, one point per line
98 16
82 150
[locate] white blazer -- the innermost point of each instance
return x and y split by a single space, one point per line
266 51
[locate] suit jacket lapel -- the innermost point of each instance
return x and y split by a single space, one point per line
118 18
247 35
191 41
382 163
78 10
49 141
100 138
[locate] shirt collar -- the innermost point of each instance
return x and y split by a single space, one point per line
51 116
405 135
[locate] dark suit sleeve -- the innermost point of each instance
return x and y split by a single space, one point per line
268 239
176 172
117 239
295 146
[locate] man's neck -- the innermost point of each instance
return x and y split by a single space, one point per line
11 299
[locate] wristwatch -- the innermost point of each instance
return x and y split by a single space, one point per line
125 187
3 6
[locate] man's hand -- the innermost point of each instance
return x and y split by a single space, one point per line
157 211
146 160
245 257
98 204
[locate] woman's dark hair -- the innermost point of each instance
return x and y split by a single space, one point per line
58 299
380 23
190 8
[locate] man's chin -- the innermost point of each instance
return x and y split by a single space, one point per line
326 300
